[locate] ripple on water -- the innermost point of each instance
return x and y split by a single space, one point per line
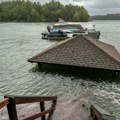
20 41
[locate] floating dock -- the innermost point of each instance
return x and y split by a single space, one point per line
54 38
81 51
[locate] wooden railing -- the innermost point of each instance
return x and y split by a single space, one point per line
4 102
12 101
97 113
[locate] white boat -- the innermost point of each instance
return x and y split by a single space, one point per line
69 29
76 28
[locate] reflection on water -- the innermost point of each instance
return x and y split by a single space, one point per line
20 41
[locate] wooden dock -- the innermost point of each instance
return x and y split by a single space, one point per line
97 113
54 38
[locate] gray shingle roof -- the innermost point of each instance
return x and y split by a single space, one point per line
81 51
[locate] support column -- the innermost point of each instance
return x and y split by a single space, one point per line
11 107
42 108
69 68
115 73
39 64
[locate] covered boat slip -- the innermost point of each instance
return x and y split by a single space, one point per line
81 51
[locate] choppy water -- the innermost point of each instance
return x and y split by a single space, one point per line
20 41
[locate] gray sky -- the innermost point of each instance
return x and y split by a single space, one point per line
94 7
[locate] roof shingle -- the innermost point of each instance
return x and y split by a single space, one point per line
81 51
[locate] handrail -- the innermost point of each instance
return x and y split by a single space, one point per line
13 100
97 113
30 99
37 115
4 102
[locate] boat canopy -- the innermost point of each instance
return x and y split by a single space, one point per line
68 25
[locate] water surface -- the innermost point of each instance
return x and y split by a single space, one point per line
20 41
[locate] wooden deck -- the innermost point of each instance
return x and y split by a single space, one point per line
54 38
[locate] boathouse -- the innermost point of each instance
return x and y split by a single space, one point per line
81 51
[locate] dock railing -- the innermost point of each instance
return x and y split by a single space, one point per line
4 102
11 102
97 113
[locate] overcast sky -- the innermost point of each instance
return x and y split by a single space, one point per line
94 7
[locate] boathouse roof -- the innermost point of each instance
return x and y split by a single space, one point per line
81 51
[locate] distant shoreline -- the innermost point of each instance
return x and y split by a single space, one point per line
106 17
56 22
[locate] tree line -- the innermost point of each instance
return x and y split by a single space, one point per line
106 17
26 11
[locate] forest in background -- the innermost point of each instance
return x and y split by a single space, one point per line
106 17
26 11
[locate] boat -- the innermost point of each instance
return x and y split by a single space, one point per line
55 34
71 26
65 30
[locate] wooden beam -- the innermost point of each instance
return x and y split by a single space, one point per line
114 73
42 108
118 73
37 115
97 113
52 110
11 107
31 99
40 64
4 102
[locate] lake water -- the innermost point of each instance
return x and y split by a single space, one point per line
20 41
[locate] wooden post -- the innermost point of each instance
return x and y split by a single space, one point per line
39 64
118 73
42 108
52 110
4 102
11 107
113 73
69 69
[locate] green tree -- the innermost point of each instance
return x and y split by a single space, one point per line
35 12
34 15
76 16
